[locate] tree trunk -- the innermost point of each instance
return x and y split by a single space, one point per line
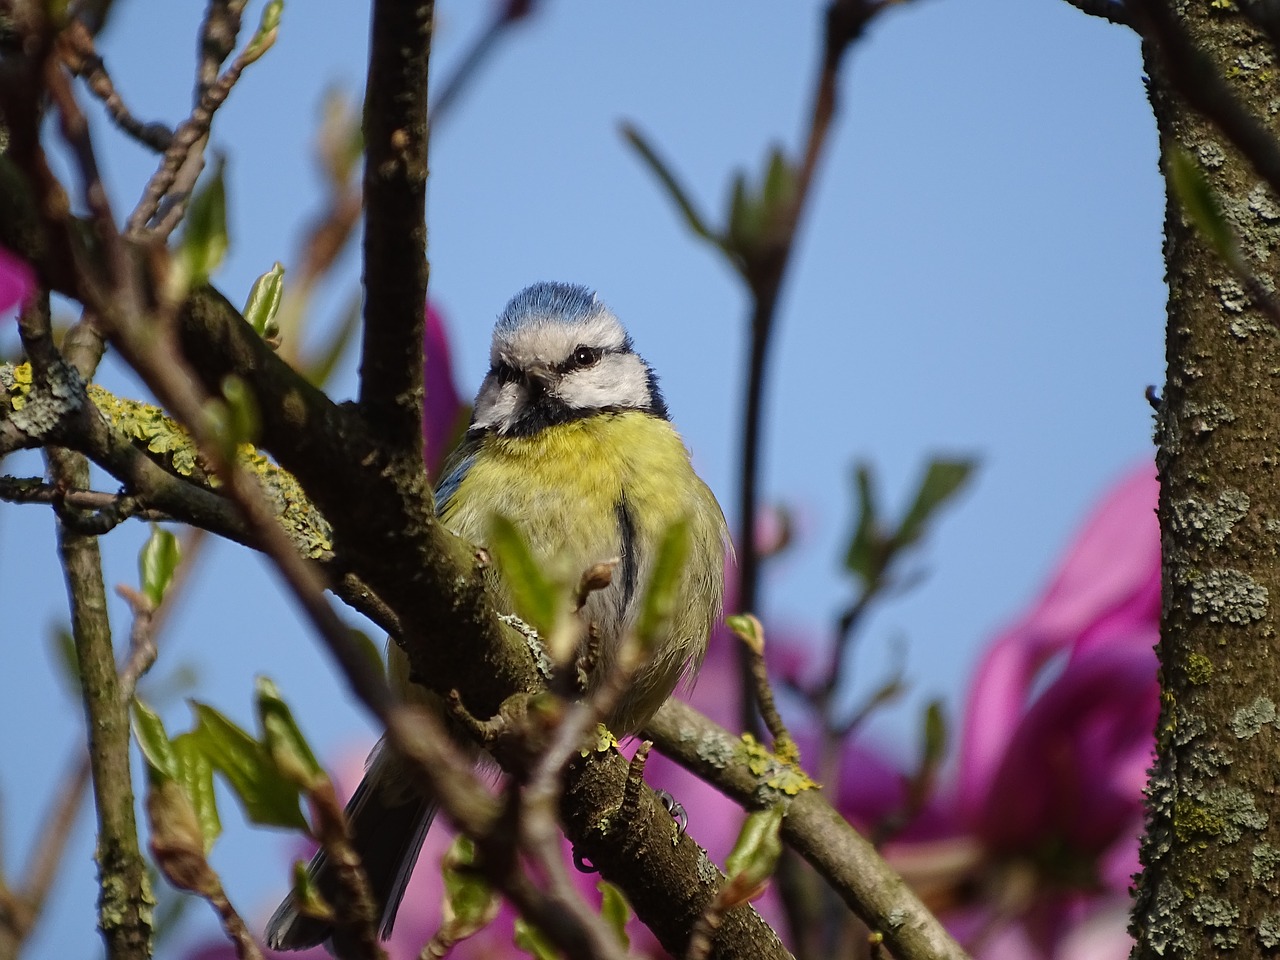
1212 851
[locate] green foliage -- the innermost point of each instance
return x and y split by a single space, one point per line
204 239
758 220
264 302
755 853
265 35
873 548
664 584
536 598
311 903
284 741
195 773
157 563
267 775
325 359
748 629
615 910
267 796
470 904
157 749
533 941
933 747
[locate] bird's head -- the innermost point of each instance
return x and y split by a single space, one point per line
559 354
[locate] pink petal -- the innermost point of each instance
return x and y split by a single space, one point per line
1065 778
17 280
1108 584
442 407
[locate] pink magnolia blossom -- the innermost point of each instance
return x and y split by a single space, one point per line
442 407
1030 852
17 281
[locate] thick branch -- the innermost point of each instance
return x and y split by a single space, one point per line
395 233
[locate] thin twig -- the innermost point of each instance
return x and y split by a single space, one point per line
218 34
78 52
142 642
183 160
845 20
115 506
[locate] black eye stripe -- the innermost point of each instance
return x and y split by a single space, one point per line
504 373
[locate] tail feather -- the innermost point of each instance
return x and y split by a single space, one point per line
387 828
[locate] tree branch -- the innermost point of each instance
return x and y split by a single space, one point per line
395 232
848 862
125 899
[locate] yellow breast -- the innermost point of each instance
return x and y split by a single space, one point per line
604 487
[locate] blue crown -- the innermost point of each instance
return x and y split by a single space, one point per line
560 302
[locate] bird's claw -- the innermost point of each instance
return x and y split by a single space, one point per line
676 809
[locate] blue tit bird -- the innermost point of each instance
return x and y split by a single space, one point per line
570 439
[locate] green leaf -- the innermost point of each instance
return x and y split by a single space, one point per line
759 845
533 941
934 745
195 773
157 562
664 583
864 557
942 480
268 798
157 749
535 597
779 184
204 239
747 628
243 421
678 195
1191 188
285 743
265 36
264 301
470 903
307 895
741 234
615 910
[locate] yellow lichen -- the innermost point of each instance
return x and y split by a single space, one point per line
774 771
1199 668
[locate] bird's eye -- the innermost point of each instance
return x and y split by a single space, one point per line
585 356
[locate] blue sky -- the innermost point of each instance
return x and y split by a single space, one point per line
978 273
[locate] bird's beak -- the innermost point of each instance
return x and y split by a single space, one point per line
539 379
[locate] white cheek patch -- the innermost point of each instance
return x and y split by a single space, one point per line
496 404
618 380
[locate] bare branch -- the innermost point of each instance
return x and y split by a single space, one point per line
78 52
395 232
